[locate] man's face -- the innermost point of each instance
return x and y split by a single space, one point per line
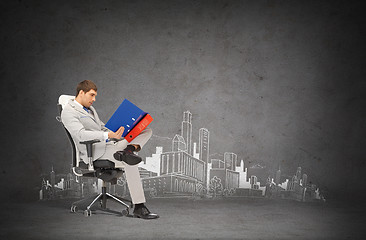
87 98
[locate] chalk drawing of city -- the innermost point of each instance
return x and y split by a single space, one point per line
187 170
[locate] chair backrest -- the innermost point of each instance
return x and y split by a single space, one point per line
62 102
64 99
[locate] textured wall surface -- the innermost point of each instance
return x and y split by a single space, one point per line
278 83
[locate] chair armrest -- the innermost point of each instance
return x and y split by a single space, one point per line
90 141
89 145
115 139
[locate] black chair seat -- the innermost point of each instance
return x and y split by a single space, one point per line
103 163
105 170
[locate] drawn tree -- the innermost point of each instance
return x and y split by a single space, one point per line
229 192
226 192
216 186
232 191
122 183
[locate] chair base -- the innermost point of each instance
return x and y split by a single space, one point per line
102 198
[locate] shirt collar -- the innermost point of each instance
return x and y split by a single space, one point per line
77 103
85 108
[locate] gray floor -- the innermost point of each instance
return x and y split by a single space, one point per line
188 219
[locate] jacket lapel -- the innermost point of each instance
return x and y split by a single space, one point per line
96 117
77 107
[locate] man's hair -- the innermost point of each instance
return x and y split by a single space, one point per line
86 86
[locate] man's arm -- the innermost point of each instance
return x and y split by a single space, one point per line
104 128
75 127
71 121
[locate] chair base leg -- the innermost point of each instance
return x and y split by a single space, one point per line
102 198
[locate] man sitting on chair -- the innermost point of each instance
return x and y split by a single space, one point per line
81 119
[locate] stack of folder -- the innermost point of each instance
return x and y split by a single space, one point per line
131 117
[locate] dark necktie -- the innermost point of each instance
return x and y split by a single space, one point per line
86 109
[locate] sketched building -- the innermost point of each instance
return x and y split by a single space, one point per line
180 171
187 168
226 171
204 152
66 186
152 164
299 189
259 171
187 131
278 177
178 143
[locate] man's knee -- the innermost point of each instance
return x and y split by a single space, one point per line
148 132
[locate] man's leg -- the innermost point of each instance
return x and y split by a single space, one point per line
142 138
134 184
132 172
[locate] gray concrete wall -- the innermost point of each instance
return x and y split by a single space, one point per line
277 82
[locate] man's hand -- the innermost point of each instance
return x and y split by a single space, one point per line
117 134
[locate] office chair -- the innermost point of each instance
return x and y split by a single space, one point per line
100 168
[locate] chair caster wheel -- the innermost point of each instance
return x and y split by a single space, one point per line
87 213
125 212
74 209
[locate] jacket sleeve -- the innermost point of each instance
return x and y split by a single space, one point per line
73 124
104 128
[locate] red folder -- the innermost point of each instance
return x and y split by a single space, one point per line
140 126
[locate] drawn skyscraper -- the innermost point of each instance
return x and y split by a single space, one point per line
53 178
253 182
178 143
230 160
278 177
187 131
204 139
304 180
298 174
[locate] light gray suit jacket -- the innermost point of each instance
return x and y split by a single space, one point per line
82 127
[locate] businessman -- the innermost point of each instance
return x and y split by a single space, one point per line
82 121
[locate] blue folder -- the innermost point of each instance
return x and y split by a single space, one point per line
126 115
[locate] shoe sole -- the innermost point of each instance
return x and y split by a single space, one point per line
126 159
136 216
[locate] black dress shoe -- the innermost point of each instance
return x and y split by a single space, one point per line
127 156
144 213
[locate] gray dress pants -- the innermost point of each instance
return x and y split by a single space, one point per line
132 172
